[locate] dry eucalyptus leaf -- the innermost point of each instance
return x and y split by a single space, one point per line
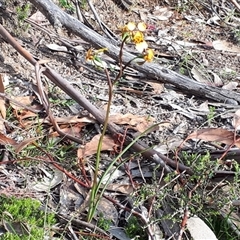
24 100
215 135
2 101
38 17
24 115
71 120
140 123
121 188
70 198
157 87
108 210
90 148
113 175
230 86
204 107
50 180
119 233
4 140
199 229
224 45
236 120
161 13
199 76
56 47
216 79
20 146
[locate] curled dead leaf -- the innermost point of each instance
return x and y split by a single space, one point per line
215 135
4 140
2 101
20 146
24 100
236 120
140 123
223 45
90 148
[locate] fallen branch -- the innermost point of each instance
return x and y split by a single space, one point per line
153 71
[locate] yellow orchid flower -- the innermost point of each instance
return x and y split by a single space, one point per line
93 54
149 55
138 37
131 26
89 54
142 26
142 46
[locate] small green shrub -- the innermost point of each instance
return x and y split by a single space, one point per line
27 214
134 230
104 223
211 114
67 5
23 12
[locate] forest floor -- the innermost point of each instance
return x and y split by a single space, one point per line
197 39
